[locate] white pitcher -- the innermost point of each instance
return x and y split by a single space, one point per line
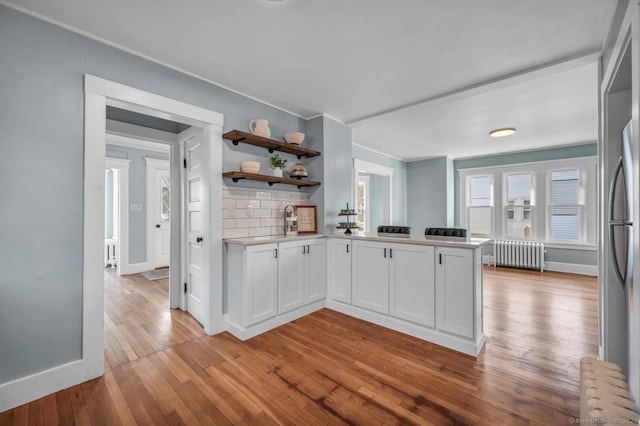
260 128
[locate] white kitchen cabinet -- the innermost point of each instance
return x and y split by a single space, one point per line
253 274
455 291
412 283
339 269
301 273
371 276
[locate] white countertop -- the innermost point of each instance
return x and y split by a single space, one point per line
368 236
431 240
251 241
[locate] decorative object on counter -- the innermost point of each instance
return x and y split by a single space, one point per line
294 138
403 231
250 166
260 127
278 163
307 220
342 225
446 232
290 221
298 171
347 212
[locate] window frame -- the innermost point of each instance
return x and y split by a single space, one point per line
582 205
532 204
541 183
491 204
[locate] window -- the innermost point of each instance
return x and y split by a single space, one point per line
518 220
565 206
480 206
550 201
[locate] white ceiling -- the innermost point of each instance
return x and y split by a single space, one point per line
414 78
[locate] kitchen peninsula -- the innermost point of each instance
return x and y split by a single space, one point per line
427 287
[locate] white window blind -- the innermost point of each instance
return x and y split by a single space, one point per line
480 208
565 209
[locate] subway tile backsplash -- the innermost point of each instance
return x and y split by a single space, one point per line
253 213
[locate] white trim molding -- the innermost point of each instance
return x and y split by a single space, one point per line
122 254
571 268
129 142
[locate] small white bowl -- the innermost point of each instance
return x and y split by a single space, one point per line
294 138
250 166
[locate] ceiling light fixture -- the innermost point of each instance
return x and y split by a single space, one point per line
499 133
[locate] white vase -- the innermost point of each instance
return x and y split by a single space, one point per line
277 172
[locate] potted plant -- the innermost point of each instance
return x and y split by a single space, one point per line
278 163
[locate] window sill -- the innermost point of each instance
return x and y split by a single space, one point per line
566 246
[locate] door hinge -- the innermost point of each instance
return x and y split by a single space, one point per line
184 163
185 287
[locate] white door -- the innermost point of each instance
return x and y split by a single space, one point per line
371 276
291 273
158 213
315 269
412 283
194 222
454 290
339 269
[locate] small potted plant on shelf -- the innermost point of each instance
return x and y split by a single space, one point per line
278 163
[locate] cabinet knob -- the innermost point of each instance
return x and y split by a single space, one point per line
198 239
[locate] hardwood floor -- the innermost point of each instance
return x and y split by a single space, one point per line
328 368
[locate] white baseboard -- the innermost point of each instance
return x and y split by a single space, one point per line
134 268
572 268
30 388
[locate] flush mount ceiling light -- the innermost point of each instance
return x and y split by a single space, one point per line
499 133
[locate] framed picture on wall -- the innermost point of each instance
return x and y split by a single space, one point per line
307 220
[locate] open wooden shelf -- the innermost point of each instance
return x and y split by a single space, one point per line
238 136
236 176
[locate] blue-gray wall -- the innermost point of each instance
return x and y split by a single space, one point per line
41 117
429 191
137 195
399 181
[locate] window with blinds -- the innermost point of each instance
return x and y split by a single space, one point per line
518 223
565 206
480 206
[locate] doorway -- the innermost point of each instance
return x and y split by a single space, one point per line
100 93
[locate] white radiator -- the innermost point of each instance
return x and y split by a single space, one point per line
519 254
110 246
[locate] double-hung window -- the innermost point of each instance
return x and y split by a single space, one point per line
565 206
518 205
480 205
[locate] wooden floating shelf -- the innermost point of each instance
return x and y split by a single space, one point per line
236 176
238 136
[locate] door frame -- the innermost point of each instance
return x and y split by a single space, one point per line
98 94
122 234
152 166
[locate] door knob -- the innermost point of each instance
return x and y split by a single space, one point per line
158 226
199 240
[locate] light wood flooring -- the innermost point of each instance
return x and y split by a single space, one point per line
328 368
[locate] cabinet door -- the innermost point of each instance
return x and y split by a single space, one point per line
454 290
291 276
412 283
316 270
371 276
339 269
261 283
